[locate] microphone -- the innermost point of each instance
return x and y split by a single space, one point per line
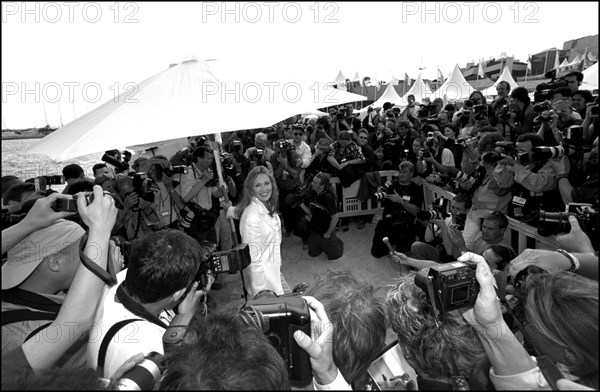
386 241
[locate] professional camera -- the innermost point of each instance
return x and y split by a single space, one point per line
278 317
404 155
545 116
437 210
146 375
480 111
385 189
460 221
424 110
558 222
429 128
230 261
553 84
141 186
237 148
258 156
573 135
505 113
426 153
70 205
120 166
508 148
545 153
449 287
285 146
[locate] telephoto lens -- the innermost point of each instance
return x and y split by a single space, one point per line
145 376
187 216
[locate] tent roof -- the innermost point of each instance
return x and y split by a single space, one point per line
389 95
455 87
504 76
419 89
590 78
340 78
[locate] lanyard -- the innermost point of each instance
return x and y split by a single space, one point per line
137 309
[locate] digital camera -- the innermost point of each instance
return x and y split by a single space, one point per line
384 189
70 205
146 375
170 171
449 287
437 210
141 186
279 317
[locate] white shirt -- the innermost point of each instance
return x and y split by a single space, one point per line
303 150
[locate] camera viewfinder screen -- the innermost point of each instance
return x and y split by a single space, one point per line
459 294
224 263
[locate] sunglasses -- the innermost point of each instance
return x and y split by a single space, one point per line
298 134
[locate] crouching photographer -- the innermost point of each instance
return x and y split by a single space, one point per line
402 202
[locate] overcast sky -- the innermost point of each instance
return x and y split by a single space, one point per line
82 54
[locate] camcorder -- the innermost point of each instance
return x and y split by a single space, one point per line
480 111
449 287
437 210
558 222
142 186
278 317
70 204
553 84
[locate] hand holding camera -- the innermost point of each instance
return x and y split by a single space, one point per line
320 346
487 310
97 210
191 300
576 240
42 214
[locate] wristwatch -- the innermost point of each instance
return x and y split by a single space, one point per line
574 261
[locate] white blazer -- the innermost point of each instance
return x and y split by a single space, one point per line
263 235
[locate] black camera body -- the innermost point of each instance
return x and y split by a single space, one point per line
230 261
285 146
170 171
141 186
437 210
385 189
70 205
508 148
280 317
558 222
146 375
449 287
118 165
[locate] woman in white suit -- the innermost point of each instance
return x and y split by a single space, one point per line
260 228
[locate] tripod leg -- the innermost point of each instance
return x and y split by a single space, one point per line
245 295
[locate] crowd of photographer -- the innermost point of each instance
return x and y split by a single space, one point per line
139 248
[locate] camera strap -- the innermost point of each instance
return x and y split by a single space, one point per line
107 277
136 308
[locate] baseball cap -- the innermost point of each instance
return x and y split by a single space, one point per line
24 257
323 143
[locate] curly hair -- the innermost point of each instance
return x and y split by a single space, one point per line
432 347
359 317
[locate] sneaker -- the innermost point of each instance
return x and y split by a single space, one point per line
345 228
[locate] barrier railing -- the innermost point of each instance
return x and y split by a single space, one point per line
520 235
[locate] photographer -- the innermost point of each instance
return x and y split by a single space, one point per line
261 142
581 99
346 156
368 153
85 290
574 80
402 202
556 121
317 229
586 192
438 352
160 275
200 187
535 182
167 201
553 301
438 245
319 161
287 177
301 148
137 218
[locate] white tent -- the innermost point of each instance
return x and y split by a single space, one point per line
563 65
419 89
575 61
389 95
455 87
340 79
187 99
590 78
504 76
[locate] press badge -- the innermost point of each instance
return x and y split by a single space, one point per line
406 198
519 201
